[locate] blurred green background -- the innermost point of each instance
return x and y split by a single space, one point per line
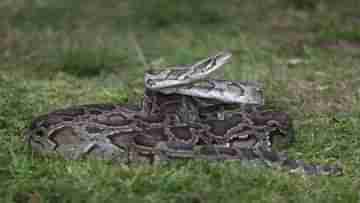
54 54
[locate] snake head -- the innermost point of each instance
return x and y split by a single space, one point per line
178 76
224 91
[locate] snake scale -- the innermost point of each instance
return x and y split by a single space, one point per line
183 115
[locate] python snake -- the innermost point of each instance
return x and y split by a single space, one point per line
183 116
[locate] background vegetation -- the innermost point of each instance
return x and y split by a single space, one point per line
54 54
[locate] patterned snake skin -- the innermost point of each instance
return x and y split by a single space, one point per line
177 120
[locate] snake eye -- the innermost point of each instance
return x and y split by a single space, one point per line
150 82
211 63
186 77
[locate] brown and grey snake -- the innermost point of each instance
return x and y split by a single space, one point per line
183 116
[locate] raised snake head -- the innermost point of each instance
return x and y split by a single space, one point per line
179 76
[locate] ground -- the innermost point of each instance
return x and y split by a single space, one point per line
54 54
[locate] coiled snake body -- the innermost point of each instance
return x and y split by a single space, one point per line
183 116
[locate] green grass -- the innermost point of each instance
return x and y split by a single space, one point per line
55 54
